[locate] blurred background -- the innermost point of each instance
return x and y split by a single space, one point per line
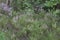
29 19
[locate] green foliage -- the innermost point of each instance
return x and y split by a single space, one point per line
50 3
29 21
2 36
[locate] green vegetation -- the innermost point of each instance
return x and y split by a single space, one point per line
31 20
